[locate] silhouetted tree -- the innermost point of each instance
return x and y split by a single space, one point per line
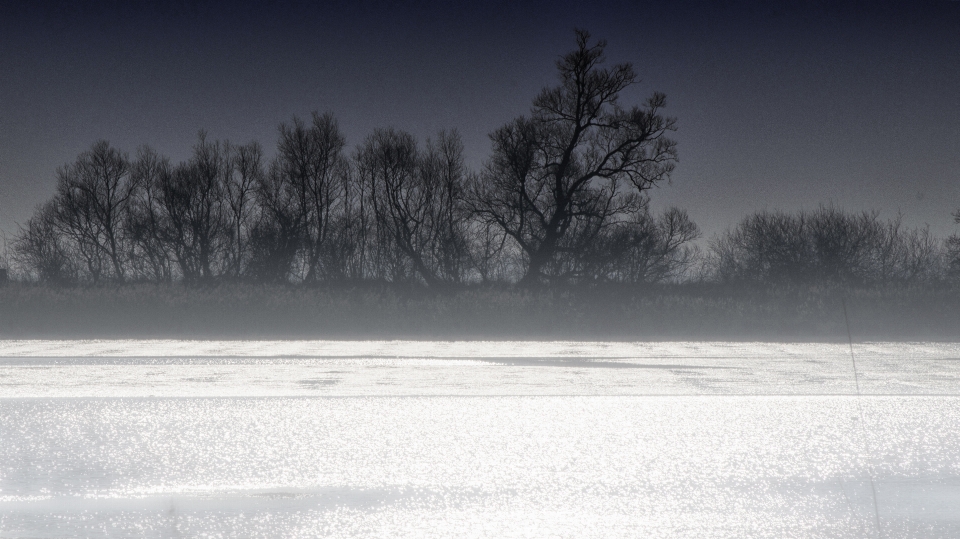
246 173
386 166
91 202
647 249
953 251
343 253
39 252
491 256
4 259
764 247
578 165
277 233
193 208
416 201
310 161
145 224
826 246
443 176
842 244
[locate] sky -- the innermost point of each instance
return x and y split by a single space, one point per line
779 105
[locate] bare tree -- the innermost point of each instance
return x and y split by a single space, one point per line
386 165
925 259
4 259
648 249
579 164
310 159
416 199
842 244
489 252
91 202
150 258
764 247
442 177
827 246
276 235
342 253
246 173
38 250
952 247
194 218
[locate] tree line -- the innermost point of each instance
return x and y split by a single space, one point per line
563 196
830 246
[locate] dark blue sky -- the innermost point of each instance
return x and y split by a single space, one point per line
779 105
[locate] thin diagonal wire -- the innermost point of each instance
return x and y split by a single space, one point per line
863 433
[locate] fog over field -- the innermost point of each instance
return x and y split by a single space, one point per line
564 227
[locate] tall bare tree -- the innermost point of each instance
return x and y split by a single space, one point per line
150 257
310 160
417 203
386 165
246 174
194 216
444 176
277 232
92 198
578 164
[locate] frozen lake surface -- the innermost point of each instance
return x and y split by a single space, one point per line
478 439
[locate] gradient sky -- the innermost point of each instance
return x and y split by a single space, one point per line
779 105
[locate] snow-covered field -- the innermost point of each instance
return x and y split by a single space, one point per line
484 439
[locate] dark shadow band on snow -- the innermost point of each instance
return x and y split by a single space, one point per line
190 502
580 363
511 361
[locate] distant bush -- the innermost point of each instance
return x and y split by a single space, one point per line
828 246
